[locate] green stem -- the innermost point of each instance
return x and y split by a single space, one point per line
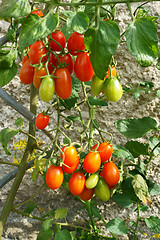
130 10
136 221
151 156
9 163
88 207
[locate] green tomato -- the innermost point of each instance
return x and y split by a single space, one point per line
96 85
47 89
112 89
92 181
102 190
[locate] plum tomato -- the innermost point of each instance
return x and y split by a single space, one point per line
67 59
47 89
96 85
42 121
112 89
77 183
102 190
54 177
75 43
36 51
92 162
92 180
25 58
105 150
70 156
87 194
59 37
38 74
26 72
111 173
71 169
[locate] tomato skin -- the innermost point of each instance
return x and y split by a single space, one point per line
60 38
37 12
77 183
75 43
36 51
46 89
63 83
92 181
42 121
87 194
70 156
113 71
38 73
53 63
26 73
71 169
96 85
24 59
113 89
105 150
67 59
102 190
54 177
92 162
111 173
83 68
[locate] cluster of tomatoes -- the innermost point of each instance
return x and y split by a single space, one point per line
96 175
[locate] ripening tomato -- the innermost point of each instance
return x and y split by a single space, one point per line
25 58
75 43
59 37
96 85
37 12
38 74
105 150
92 162
77 183
102 191
87 194
54 177
111 72
63 83
42 121
36 51
83 68
67 59
112 89
71 169
92 180
26 73
46 89
70 156
111 173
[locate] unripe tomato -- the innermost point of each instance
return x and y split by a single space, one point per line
112 89
59 37
42 121
70 156
38 73
86 194
105 150
54 177
26 73
92 162
63 83
47 89
96 85
112 72
70 170
83 68
75 43
77 183
36 51
102 191
111 173
92 181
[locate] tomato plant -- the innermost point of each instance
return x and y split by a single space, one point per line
87 194
102 190
54 177
38 74
47 89
75 43
92 162
113 89
26 72
36 51
59 37
77 183
111 173
42 121
105 150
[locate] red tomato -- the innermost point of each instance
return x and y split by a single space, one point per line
75 43
92 162
70 170
63 83
26 72
38 73
42 121
37 12
105 150
67 59
36 51
70 156
59 37
113 71
83 68
77 183
25 58
53 63
111 173
54 177
87 194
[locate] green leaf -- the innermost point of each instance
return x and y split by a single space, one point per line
63 234
60 213
141 189
117 226
137 148
123 200
19 122
136 127
136 94
45 235
5 135
127 189
71 101
158 62
67 31
95 210
7 58
122 152
7 74
78 22
30 207
35 27
97 102
153 223
14 8
142 41
158 93
155 142
153 188
72 118
102 44
46 225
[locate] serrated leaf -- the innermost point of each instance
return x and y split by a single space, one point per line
63 234
19 122
60 213
102 44
35 27
122 152
154 143
78 22
153 223
123 200
142 41
136 127
136 148
7 74
141 189
5 135
30 207
45 235
97 102
117 226
153 188
14 8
